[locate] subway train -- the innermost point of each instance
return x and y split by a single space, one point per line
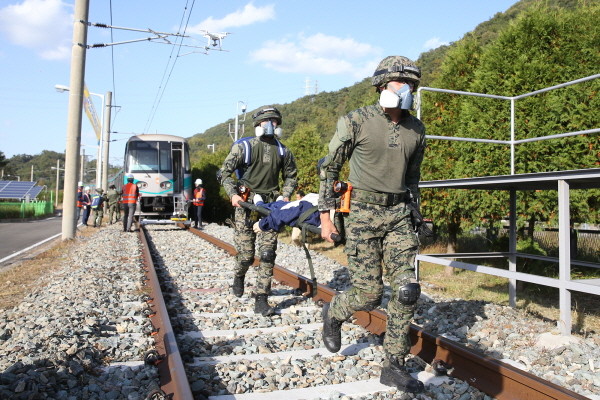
161 168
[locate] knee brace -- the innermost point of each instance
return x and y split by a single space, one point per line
268 256
409 293
246 261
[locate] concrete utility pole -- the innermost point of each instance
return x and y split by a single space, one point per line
106 138
78 52
32 173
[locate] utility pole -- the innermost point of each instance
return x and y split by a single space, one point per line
106 137
237 121
57 181
31 172
78 52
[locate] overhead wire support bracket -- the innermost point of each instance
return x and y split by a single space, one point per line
159 35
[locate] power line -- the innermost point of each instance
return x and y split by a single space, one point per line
165 78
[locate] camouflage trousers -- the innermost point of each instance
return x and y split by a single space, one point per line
246 243
98 215
113 210
381 246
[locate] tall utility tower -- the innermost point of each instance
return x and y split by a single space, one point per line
307 87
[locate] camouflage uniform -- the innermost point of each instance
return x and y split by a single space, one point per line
381 244
113 196
99 209
262 176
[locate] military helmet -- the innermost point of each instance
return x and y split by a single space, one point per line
396 68
266 112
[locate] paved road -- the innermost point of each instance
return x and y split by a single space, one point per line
16 236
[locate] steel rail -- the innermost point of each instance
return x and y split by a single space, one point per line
493 377
173 379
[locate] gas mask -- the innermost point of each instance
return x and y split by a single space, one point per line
402 98
267 130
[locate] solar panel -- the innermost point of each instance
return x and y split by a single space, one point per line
19 190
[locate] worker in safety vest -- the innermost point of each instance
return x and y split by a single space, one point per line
198 202
129 199
86 204
79 200
98 201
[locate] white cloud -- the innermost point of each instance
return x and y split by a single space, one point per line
434 43
42 25
246 16
318 54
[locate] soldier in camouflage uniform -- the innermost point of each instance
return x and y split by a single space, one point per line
268 159
113 196
384 144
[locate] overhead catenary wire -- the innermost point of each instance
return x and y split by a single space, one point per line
167 76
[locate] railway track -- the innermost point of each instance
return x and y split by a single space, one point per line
210 344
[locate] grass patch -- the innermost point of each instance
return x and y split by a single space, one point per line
24 277
540 302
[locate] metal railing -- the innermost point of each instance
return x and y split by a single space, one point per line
563 283
512 142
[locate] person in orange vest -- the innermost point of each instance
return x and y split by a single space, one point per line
129 198
198 202
79 200
86 203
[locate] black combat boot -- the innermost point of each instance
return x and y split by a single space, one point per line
332 331
394 374
238 286
261 306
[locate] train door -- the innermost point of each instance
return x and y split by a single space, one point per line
179 200
177 167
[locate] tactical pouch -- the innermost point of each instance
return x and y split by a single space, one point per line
338 222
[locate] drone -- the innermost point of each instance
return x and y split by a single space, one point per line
215 38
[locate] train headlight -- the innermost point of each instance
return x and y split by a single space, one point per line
166 185
141 184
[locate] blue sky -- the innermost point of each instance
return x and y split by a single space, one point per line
272 50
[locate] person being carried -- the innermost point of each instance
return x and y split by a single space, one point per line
284 213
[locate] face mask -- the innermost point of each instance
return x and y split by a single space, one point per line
267 130
402 98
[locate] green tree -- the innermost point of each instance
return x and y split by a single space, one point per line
542 48
3 160
307 148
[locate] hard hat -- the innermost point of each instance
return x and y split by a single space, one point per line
266 112
129 176
86 188
79 183
198 181
99 190
396 68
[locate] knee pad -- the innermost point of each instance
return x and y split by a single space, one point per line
268 256
409 293
246 261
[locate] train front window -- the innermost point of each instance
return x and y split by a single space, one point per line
143 157
150 157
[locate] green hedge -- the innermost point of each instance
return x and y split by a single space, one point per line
10 210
